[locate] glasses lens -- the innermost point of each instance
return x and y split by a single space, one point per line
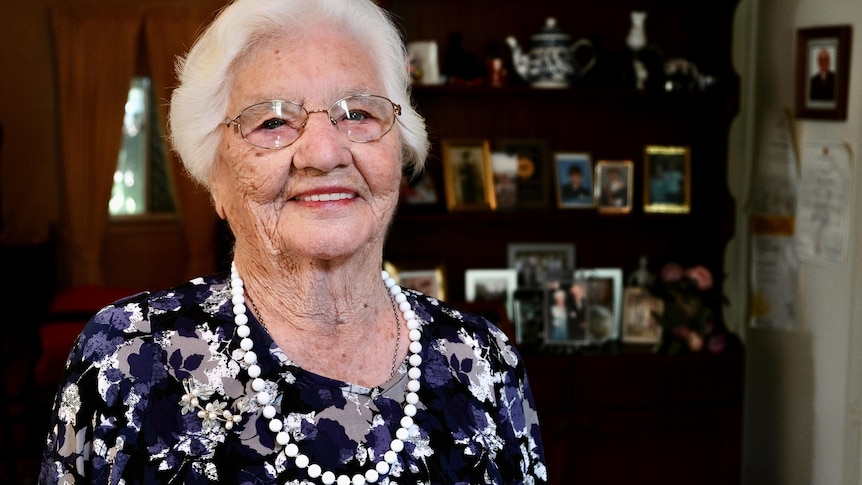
273 124
363 118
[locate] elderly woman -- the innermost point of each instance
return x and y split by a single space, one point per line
305 363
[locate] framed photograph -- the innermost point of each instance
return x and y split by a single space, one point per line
529 306
424 62
603 293
504 167
574 180
418 191
492 285
468 175
667 179
614 186
533 166
541 263
823 72
566 310
430 281
639 324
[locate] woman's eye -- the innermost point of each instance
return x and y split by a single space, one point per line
273 124
357 116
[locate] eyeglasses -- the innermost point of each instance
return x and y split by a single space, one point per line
277 124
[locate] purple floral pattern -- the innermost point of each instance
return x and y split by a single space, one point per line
124 412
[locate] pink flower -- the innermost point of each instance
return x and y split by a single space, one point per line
671 272
695 342
701 276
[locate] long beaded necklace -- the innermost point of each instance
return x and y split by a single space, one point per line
247 358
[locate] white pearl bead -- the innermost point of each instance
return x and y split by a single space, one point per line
413 385
415 360
400 298
238 299
390 457
269 412
396 445
263 398
382 467
241 319
415 347
358 479
258 384
402 434
238 309
243 331
301 461
343 480
246 344
282 438
314 470
395 290
291 450
406 422
371 476
415 335
404 305
254 371
409 315
412 398
250 357
328 478
276 425
410 410
414 373
413 324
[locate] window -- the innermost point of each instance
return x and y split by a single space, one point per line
142 185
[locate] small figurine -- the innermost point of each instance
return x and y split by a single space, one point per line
641 277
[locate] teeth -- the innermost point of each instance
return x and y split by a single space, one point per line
326 197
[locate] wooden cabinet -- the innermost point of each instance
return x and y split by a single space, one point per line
621 418
640 418
600 115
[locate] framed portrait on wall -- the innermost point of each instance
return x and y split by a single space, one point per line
614 186
574 180
467 171
532 171
823 71
428 280
667 179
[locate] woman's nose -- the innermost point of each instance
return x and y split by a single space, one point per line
321 145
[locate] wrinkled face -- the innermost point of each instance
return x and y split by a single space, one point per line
324 196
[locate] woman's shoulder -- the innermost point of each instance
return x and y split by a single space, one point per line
148 310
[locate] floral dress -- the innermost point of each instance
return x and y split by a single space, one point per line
123 414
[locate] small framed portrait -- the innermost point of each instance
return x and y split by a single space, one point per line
418 191
667 179
566 310
492 285
639 323
541 263
504 167
823 71
574 180
532 170
603 293
614 186
428 280
468 175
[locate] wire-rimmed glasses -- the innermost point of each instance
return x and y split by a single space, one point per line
276 124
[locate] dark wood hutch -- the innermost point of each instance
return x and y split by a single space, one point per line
615 417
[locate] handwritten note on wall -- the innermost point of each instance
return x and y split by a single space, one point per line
822 212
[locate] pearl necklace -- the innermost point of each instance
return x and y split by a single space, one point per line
247 358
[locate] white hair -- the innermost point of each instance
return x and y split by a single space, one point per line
206 74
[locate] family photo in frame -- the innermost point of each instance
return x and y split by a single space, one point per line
540 263
585 310
574 180
667 179
468 174
823 72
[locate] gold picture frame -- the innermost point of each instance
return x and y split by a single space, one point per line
429 280
469 182
667 179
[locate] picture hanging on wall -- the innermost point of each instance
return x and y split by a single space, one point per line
823 72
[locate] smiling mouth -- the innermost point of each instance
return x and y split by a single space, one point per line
326 197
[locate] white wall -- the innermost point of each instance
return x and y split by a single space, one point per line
804 387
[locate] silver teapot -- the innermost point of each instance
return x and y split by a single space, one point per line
551 62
